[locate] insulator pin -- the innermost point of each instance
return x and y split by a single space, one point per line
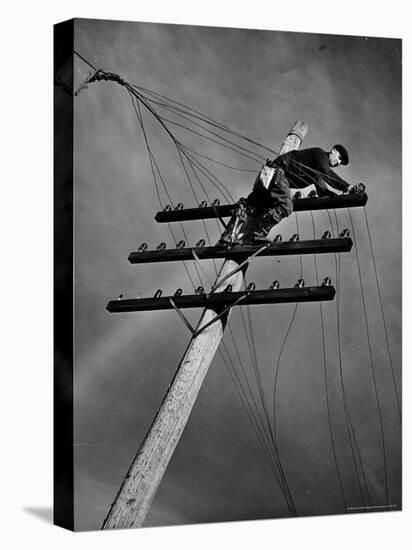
216 202
161 246
344 234
201 243
120 297
202 204
178 292
358 188
179 206
327 281
180 244
297 195
312 194
158 293
294 237
326 235
200 290
167 208
277 239
142 247
250 287
300 283
275 285
228 288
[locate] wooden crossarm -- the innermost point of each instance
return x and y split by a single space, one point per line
239 253
299 205
224 299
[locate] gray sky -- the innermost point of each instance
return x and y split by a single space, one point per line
348 90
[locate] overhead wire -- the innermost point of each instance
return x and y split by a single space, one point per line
347 414
325 377
257 429
376 391
253 354
218 162
350 429
85 60
210 120
152 162
177 143
211 178
179 113
242 149
256 369
196 199
383 315
171 135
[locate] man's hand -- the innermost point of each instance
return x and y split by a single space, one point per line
357 188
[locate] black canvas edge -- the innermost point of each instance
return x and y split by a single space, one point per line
63 483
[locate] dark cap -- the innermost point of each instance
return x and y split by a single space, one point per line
343 154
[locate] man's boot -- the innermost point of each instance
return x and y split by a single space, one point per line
229 236
257 229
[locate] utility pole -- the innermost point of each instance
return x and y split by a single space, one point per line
139 487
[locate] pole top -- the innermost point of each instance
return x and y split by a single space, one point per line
300 129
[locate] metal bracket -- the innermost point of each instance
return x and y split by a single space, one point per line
218 216
199 263
186 322
223 312
194 332
239 267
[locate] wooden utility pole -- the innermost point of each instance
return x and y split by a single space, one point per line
138 489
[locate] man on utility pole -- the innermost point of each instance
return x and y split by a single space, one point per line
270 200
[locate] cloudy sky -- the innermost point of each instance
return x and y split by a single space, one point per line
348 90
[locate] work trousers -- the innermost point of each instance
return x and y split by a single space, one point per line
275 200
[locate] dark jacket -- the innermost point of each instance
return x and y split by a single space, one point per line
310 166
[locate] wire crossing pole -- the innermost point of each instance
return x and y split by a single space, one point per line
139 487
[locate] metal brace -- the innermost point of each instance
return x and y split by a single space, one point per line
223 312
186 322
199 263
194 332
239 267
219 217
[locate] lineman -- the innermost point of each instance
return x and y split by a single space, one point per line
270 200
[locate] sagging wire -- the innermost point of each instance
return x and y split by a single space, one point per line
210 120
264 427
153 162
174 139
378 403
261 436
325 375
259 384
177 143
220 163
383 314
353 441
